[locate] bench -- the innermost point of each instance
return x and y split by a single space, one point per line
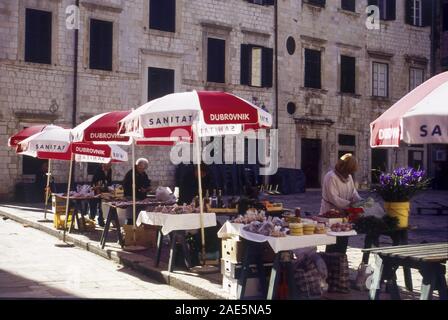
429 259
439 208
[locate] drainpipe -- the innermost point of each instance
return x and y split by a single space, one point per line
434 32
276 61
75 82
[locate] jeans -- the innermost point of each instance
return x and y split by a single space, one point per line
95 207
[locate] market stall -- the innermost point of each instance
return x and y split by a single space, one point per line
175 221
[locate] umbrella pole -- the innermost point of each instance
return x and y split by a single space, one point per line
68 196
46 189
201 202
134 208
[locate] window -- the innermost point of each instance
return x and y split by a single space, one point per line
101 38
216 60
380 79
262 2
349 5
256 66
160 82
348 74
387 8
162 15
318 3
418 13
415 77
313 69
38 36
347 140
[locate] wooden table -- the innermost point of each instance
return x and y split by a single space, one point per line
112 215
429 259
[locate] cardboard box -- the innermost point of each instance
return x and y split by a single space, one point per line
145 236
232 250
253 288
59 221
233 270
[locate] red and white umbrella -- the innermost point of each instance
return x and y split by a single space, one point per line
101 129
56 145
14 140
188 116
420 117
171 117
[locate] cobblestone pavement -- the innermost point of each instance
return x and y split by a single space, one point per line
31 266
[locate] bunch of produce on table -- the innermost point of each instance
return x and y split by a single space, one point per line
271 227
176 209
251 216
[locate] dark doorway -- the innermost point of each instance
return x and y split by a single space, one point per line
311 154
415 159
379 163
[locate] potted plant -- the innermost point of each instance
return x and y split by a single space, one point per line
398 188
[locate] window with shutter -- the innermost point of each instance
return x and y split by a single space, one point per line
418 13
348 74
349 5
312 69
415 77
160 82
256 66
262 2
387 8
38 26
380 79
162 15
318 3
216 60
101 38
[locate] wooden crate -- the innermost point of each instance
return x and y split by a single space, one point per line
145 236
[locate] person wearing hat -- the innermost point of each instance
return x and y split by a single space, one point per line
338 193
338 188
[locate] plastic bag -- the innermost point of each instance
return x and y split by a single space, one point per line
361 277
375 209
164 194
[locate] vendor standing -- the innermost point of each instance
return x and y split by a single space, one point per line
101 180
142 184
338 188
339 192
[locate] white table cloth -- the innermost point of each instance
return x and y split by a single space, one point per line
173 222
277 244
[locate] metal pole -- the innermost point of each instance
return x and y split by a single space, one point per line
201 203
68 197
134 207
46 189
276 61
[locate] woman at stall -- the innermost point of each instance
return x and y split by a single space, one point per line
339 193
338 188
142 182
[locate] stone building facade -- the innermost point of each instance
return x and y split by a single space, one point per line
320 123
325 122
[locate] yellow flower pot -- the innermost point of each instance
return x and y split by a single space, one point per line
399 210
